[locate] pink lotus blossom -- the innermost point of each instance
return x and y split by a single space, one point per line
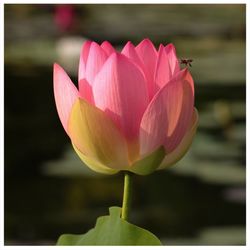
133 110
64 16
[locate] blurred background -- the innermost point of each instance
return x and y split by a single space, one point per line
48 190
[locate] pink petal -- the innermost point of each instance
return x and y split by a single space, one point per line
120 90
65 94
108 48
130 52
83 60
183 146
85 90
148 56
163 71
166 118
180 125
97 57
173 60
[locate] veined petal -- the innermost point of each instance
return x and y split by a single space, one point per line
65 94
171 158
182 117
95 135
120 90
94 164
148 55
96 59
163 72
130 52
85 90
172 58
166 118
108 48
147 52
83 60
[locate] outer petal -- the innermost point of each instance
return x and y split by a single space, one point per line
173 60
93 164
166 119
65 94
177 130
108 48
83 60
96 136
96 59
149 163
120 90
85 90
184 145
148 56
163 71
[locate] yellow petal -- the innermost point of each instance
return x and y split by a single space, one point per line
93 164
183 147
96 136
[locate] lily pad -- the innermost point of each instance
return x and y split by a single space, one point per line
111 230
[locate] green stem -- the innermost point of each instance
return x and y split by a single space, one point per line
126 196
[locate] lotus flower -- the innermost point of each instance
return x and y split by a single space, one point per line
133 110
64 16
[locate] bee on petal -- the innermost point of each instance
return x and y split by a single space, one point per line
186 62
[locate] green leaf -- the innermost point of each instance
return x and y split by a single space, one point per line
150 163
111 230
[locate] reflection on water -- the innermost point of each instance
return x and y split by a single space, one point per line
48 191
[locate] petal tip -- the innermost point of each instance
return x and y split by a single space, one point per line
129 44
146 40
170 46
56 66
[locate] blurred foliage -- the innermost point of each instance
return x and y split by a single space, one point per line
48 191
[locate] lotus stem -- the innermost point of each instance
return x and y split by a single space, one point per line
126 195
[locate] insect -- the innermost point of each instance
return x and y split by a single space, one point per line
186 61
